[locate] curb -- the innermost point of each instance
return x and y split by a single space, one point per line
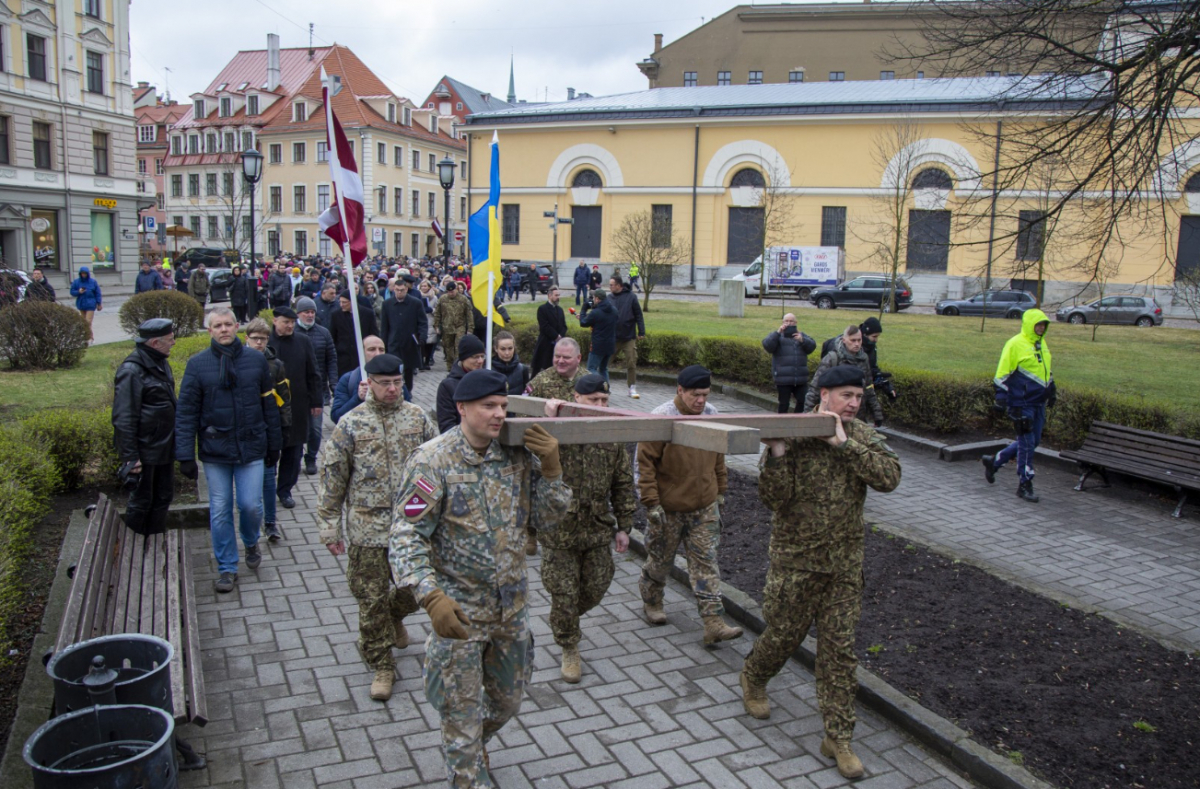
941 736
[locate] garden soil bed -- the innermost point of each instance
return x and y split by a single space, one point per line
1076 698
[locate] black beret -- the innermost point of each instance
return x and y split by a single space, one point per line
470 345
479 384
385 364
284 312
590 384
156 327
694 377
871 326
842 375
451 285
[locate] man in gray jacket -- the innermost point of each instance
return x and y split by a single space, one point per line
789 348
327 367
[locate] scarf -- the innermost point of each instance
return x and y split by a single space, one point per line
227 355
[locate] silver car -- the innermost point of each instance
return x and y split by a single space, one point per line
1126 310
999 303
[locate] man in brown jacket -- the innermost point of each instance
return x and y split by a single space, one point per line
683 489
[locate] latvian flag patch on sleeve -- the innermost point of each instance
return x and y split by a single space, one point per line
424 485
415 506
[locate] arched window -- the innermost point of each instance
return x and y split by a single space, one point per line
1193 184
587 178
932 178
747 177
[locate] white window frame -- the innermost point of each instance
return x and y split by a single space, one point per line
142 133
299 111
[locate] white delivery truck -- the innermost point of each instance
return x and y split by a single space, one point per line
798 270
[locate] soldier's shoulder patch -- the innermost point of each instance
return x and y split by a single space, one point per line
416 505
424 485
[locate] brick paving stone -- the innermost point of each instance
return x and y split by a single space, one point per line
289 704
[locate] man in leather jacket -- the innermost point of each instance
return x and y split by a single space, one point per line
143 418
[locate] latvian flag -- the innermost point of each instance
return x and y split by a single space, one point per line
437 227
343 220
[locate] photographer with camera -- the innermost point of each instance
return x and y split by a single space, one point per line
143 417
789 348
1024 389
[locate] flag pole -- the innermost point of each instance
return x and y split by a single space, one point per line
487 350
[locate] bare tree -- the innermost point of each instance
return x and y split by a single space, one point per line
899 152
779 224
652 243
1101 82
229 202
1187 290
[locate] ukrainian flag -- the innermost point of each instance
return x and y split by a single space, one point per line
485 243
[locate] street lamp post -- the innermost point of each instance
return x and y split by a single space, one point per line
446 176
251 172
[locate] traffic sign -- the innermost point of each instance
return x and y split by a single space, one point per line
377 234
149 224
458 235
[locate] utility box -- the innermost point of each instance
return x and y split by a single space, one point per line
733 299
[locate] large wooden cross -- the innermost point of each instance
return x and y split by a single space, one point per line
729 434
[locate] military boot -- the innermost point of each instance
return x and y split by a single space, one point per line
381 686
570 664
754 698
989 468
400 639
530 544
716 630
848 764
654 614
1025 491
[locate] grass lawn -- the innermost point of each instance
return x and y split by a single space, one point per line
87 385
1141 363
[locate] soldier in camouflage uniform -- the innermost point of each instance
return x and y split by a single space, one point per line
577 567
815 488
360 473
556 383
683 489
453 318
457 541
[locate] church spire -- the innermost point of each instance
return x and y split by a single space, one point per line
512 88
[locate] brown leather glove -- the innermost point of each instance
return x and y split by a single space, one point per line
545 446
448 617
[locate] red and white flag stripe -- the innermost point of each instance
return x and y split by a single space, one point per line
343 220
437 227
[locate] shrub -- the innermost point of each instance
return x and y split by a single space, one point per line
20 510
184 350
42 335
28 465
184 311
79 443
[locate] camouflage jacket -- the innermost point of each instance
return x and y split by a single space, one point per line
461 520
552 386
596 474
816 493
453 314
361 466
839 355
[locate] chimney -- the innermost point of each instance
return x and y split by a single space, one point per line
570 94
143 84
657 42
273 77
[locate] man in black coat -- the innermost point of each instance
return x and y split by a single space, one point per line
552 327
300 362
279 287
327 366
143 417
39 289
242 294
630 328
602 319
404 326
471 356
345 341
789 348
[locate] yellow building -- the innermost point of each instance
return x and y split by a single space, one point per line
709 158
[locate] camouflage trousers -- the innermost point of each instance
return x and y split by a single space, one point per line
379 603
476 686
450 348
700 532
577 581
792 599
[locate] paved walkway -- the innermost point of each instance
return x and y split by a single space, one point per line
289 706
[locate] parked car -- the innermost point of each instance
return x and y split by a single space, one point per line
545 277
999 303
209 256
866 291
1135 310
218 284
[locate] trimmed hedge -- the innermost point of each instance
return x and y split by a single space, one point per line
42 335
79 444
184 311
933 401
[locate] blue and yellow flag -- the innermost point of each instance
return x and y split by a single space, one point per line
485 243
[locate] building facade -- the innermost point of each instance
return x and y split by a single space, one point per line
709 160
154 118
69 192
271 100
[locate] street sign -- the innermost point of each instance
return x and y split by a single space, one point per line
458 235
377 234
149 224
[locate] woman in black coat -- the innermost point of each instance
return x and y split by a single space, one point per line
345 342
507 362
241 294
300 361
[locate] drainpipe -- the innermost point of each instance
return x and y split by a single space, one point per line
695 179
992 225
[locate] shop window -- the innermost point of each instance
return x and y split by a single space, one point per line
103 245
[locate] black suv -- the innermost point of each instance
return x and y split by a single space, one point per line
209 256
867 291
545 278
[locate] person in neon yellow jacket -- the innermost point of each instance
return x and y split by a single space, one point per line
1024 388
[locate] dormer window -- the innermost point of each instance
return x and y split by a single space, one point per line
299 112
199 108
391 113
433 123
252 105
226 107
408 116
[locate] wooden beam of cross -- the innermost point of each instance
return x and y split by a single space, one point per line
729 434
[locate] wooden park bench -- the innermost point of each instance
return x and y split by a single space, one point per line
127 583
1157 457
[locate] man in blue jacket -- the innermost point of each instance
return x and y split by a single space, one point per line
351 390
602 319
87 295
226 406
583 279
147 279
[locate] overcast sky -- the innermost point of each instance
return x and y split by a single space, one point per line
591 47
